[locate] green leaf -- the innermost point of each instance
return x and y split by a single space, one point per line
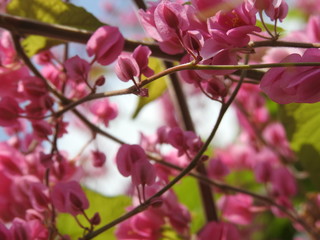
301 122
109 209
188 194
269 26
54 12
156 88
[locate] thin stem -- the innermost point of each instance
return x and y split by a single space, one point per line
27 61
183 109
186 66
264 25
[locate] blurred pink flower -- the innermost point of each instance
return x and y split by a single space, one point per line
105 44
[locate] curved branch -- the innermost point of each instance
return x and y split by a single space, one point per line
25 26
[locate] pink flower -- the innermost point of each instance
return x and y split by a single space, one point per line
143 173
170 18
44 57
104 111
236 208
127 156
219 231
42 129
8 53
141 54
9 112
127 68
77 69
283 182
5 234
273 9
68 197
263 171
33 88
294 84
20 230
138 227
130 67
99 158
217 169
105 44
9 80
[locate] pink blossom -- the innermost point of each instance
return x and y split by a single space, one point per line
42 129
263 171
99 158
127 68
283 182
9 112
138 227
219 231
105 44
273 9
8 55
143 173
311 7
234 26
275 135
294 84
33 88
127 156
236 208
44 57
5 234
217 169
104 111
9 79
216 88
313 29
141 54
170 18
77 69
54 74
68 197
20 230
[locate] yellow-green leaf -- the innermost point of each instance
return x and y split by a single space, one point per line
156 88
188 194
302 126
54 12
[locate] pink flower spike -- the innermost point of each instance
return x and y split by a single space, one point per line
127 155
9 112
99 158
68 197
77 69
141 54
127 68
105 44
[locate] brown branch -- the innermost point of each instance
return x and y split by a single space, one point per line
25 26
